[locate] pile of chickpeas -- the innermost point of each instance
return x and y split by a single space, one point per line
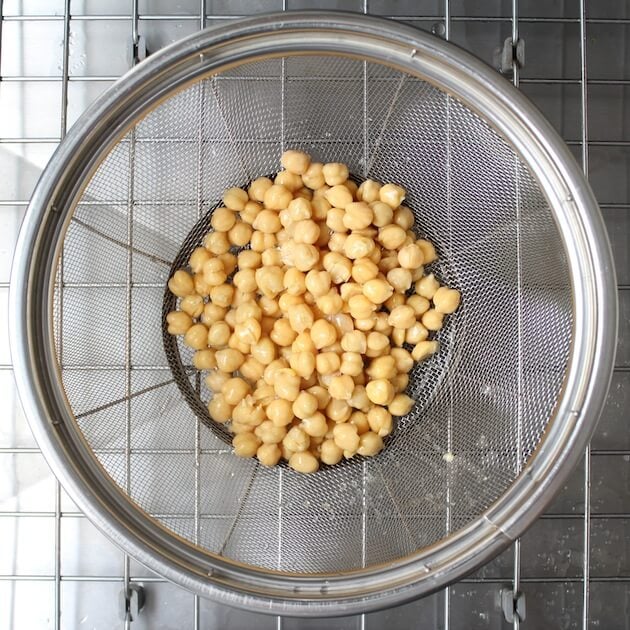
302 331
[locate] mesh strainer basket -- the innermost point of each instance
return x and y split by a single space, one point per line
505 409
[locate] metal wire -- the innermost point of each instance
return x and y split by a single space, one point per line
584 143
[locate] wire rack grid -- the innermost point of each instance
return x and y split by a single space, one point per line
573 566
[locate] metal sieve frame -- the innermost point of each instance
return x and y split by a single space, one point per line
481 89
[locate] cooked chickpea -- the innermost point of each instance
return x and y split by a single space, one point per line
327 362
368 191
304 406
358 246
392 195
261 242
400 382
287 384
398 336
252 369
296 440
249 331
277 197
249 413
334 220
246 310
391 236
361 307
219 409
432 319
400 405
282 333
235 198
424 349
338 410
349 289
305 256
335 173
346 437
216 379
377 290
197 258
380 391
338 197
341 387
196 337
234 390
268 306
218 334
338 266
365 324
360 421
258 188
306 231
402 316
303 363
178 322
245 444
249 213
317 282
370 444
331 303
269 454
419 304
217 243
313 177
290 181
295 161
221 295
222 219
315 425
229 360
357 215
269 433
181 284
214 272
280 412
267 221
428 250
416 333
403 216
383 367
381 324
330 453
445 300
410 256
380 421
270 280
201 286
240 234
303 343
304 462
323 333
204 359
363 270
403 358
351 363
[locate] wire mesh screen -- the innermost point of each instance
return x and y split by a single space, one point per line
483 401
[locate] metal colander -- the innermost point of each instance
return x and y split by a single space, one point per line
504 410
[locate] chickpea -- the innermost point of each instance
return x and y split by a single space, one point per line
410 257
245 444
352 187
338 266
401 405
269 433
290 181
404 361
351 363
235 198
269 306
268 454
380 421
381 324
313 177
221 296
303 343
428 250
298 210
197 258
234 390
392 195
264 350
267 221
317 282
181 284
249 331
366 324
323 333
432 320
361 307
258 188
296 440
338 410
400 382
380 391
249 413
416 333
346 437
354 341
270 280
280 412
330 453
249 213
304 462
360 421
402 316
341 387
338 197
358 246
295 161
327 362
306 231
304 406
222 219
271 258
196 337
204 359
398 336
334 220
219 409
357 215
216 243
263 393
214 272
368 191
282 333
287 384
399 278
419 304
252 369
391 236
331 303
247 310
229 360
370 444
266 325
363 270
349 289
377 290
178 322
218 334
322 395
303 363
445 300
240 234
315 425
383 367
335 173
261 242
216 379
387 263
277 197
305 256
424 349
